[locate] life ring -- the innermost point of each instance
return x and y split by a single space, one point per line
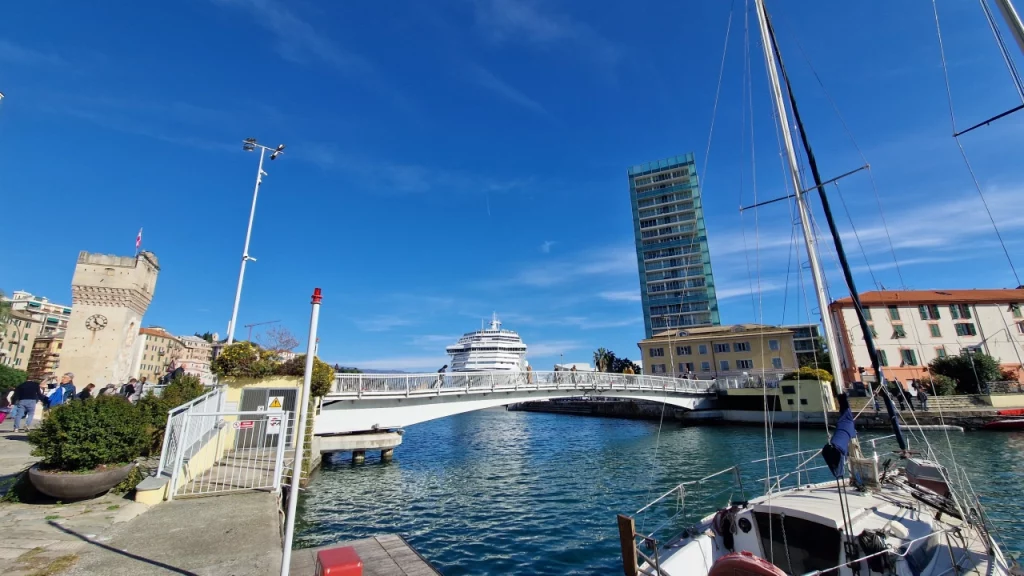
744 564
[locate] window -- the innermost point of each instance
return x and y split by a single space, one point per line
867 312
803 401
703 348
655 352
894 313
741 347
898 331
705 366
929 312
744 364
960 311
1020 327
723 365
684 350
789 401
773 344
777 363
882 358
874 333
722 347
657 368
940 351
934 329
1015 310
908 357
686 367
966 329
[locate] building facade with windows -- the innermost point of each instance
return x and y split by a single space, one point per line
196 357
155 349
805 341
720 351
44 362
49 317
677 288
16 339
913 327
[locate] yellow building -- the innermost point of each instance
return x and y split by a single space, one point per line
155 351
720 352
45 359
16 339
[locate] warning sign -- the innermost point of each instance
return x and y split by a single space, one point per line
274 425
276 404
244 424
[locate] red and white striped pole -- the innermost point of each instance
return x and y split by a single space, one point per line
300 436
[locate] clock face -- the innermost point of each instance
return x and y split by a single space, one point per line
96 322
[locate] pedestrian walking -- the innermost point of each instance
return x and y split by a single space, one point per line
922 397
127 390
440 377
26 396
86 392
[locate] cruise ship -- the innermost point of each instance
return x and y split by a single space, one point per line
489 349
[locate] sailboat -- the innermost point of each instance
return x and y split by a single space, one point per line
900 514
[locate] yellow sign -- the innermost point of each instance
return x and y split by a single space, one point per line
275 403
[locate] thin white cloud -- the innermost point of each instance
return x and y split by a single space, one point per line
621 296
488 80
551 348
382 323
613 261
524 21
23 56
546 245
741 289
403 363
433 340
579 322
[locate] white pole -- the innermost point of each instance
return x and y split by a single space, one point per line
245 250
300 437
805 214
1013 21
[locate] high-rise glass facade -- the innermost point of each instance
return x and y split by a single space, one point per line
677 288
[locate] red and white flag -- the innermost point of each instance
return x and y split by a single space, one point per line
138 240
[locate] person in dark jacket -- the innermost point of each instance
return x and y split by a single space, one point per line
86 392
25 398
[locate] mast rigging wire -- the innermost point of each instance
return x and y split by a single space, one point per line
960 146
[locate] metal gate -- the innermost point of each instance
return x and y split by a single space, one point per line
232 451
269 401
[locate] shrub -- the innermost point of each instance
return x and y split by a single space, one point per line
938 385
81 436
808 373
9 378
323 374
182 389
153 410
985 369
243 360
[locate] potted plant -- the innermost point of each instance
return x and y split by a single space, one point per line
87 447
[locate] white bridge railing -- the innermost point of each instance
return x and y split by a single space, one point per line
376 385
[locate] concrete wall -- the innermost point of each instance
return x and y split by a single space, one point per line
233 397
1005 400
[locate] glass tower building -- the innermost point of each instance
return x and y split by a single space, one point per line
677 288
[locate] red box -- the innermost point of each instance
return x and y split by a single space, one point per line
342 561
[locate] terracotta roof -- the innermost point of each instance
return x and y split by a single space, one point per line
889 297
156 332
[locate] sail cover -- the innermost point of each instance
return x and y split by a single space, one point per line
838 446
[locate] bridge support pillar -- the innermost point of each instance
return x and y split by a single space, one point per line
385 455
358 456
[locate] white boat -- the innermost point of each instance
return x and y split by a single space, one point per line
490 349
831 511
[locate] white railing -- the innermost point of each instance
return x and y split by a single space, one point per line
174 439
376 385
239 451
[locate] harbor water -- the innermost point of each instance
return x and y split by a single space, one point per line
497 492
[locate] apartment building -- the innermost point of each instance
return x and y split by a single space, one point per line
677 288
805 341
913 327
196 357
16 339
44 362
155 349
49 317
720 351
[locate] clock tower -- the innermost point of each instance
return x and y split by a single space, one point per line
109 295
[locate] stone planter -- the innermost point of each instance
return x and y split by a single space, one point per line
68 487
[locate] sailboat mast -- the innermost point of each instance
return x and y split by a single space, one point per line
1013 21
804 212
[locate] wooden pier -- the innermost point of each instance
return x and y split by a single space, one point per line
387 555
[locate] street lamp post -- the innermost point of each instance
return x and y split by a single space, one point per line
249 145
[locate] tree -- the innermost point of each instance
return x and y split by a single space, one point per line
346 370
818 358
938 385
602 359
970 371
208 336
9 378
619 365
321 380
277 339
243 360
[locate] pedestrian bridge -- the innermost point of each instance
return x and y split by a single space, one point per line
369 402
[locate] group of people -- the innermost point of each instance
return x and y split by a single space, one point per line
905 397
21 402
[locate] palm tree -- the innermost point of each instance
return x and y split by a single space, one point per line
602 357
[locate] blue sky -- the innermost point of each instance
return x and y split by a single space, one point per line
454 158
